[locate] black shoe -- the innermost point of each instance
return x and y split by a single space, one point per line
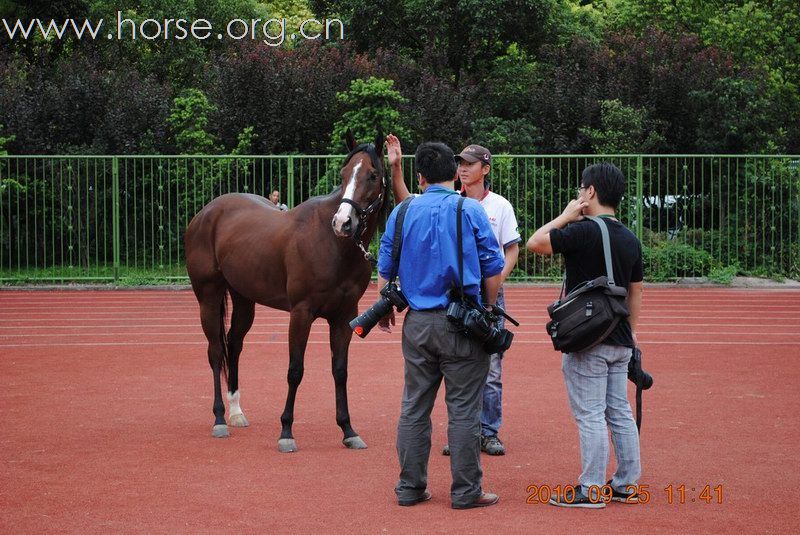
492 445
424 497
624 497
446 450
579 499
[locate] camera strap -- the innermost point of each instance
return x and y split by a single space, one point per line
639 406
460 248
397 244
639 383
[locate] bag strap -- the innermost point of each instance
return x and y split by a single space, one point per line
606 247
460 248
397 245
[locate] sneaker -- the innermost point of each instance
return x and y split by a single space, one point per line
579 500
492 445
622 496
446 450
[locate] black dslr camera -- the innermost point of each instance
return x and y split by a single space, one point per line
635 372
480 325
391 296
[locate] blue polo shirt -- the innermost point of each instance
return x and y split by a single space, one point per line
429 258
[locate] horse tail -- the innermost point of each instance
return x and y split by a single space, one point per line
223 309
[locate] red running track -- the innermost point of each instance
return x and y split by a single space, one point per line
105 400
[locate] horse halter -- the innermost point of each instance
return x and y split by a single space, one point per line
365 213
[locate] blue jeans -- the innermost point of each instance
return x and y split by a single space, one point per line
596 382
492 412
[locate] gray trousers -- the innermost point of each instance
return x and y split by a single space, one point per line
597 382
433 351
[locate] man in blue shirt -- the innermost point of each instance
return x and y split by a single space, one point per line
433 347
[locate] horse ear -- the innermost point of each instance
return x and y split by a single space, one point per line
349 141
379 138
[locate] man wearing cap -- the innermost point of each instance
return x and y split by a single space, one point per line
474 164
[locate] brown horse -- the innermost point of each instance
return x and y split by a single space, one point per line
240 244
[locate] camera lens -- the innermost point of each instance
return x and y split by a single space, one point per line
363 324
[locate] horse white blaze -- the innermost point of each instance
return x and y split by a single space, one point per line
233 403
346 211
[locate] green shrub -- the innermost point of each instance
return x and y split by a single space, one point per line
723 275
670 260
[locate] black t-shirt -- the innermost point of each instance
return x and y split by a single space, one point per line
581 243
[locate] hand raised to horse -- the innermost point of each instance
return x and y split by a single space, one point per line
393 150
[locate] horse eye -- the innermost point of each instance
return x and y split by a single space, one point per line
373 177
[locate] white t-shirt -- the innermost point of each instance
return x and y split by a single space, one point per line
502 218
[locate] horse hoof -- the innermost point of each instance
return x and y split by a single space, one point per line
239 420
287 445
355 443
220 431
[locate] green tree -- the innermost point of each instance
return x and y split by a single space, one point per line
514 136
4 141
467 33
6 182
180 61
371 107
189 120
624 130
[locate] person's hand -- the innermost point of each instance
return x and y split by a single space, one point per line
574 210
393 150
385 321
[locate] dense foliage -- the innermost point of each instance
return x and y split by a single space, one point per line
520 76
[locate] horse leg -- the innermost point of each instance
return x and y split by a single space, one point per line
241 321
341 334
300 321
212 318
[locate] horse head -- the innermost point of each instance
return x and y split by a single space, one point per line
364 187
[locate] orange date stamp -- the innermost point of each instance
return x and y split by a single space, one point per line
634 494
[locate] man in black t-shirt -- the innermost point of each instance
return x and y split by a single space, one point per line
596 379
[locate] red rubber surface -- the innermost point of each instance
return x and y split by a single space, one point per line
105 400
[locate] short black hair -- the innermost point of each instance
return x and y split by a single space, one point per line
436 162
608 182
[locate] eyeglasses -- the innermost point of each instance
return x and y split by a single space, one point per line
578 191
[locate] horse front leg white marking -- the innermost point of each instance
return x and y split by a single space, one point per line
233 403
237 418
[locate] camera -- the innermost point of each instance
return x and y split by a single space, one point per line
479 324
391 296
635 372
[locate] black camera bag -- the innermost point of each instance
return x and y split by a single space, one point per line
591 311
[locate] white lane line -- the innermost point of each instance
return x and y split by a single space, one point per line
325 332
368 342
93 326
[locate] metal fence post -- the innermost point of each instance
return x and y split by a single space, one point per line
290 181
639 194
115 215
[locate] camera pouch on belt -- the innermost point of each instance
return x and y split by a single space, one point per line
591 311
475 321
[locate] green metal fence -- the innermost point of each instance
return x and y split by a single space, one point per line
121 218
